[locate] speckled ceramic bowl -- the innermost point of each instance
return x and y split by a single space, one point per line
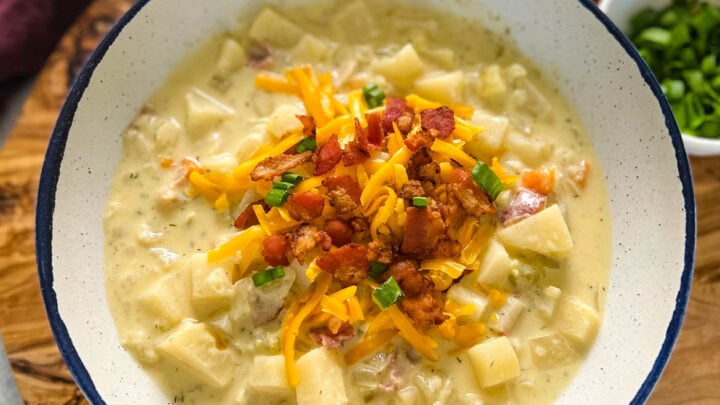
631 126
620 12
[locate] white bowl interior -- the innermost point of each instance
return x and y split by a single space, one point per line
620 12
645 168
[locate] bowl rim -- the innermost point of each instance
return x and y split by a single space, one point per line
683 164
50 174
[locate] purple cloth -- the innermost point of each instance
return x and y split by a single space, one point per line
29 31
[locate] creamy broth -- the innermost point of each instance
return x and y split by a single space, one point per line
198 340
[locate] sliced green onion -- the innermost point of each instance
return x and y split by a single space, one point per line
655 37
387 294
306 144
269 275
694 79
673 89
486 179
293 178
709 64
420 201
710 128
377 268
373 95
276 197
281 185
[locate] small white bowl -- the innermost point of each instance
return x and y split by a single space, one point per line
620 12
592 64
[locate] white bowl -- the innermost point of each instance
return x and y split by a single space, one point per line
620 12
591 62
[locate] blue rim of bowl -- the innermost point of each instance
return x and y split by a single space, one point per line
681 300
45 209
51 172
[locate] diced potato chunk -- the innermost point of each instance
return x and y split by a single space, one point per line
548 299
402 68
545 232
274 28
576 320
211 285
232 57
167 135
551 351
310 49
495 266
221 162
191 346
203 110
168 298
283 120
444 57
533 152
491 140
464 296
494 361
505 318
492 83
267 375
321 379
354 22
446 88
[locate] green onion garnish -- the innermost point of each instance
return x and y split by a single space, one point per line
266 276
377 268
373 95
420 201
387 294
293 178
681 44
306 145
283 185
276 197
486 179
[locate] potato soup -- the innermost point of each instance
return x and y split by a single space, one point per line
356 202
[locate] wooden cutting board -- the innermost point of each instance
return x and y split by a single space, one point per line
692 376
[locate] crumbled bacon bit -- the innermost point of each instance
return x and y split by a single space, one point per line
324 336
419 158
424 228
440 122
260 55
340 231
374 128
344 192
421 302
359 224
275 248
380 252
524 204
308 124
349 264
474 201
412 188
448 248
305 206
328 155
398 112
418 141
357 152
305 238
247 218
274 166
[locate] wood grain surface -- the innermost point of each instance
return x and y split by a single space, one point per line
691 377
